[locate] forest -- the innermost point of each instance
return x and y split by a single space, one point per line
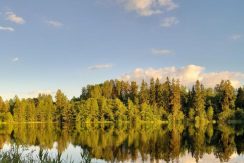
122 101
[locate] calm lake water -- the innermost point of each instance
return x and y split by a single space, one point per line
122 143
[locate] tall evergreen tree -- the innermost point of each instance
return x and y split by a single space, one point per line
30 111
175 101
107 89
134 92
158 91
62 105
143 94
165 95
198 103
240 98
18 110
152 92
3 106
225 100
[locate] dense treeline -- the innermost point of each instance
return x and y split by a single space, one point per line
117 100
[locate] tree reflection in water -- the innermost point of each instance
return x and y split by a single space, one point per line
123 142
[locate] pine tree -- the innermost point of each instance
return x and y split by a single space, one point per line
240 98
93 109
225 100
1 105
143 95
152 93
198 103
165 95
210 113
117 90
30 113
134 92
18 110
107 89
119 111
158 92
175 101
62 106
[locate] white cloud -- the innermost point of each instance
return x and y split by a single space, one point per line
236 37
149 7
11 16
100 66
16 59
8 29
169 21
162 52
187 75
54 23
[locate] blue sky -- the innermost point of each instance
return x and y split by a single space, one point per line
46 45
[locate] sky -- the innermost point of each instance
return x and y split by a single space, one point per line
66 44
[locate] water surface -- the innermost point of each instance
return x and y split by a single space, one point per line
123 143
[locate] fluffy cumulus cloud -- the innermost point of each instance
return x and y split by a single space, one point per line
187 75
169 21
100 66
54 23
11 16
149 7
7 29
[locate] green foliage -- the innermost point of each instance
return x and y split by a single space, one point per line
198 100
152 93
62 107
239 114
115 100
191 114
124 142
175 102
143 94
225 95
19 110
210 113
240 98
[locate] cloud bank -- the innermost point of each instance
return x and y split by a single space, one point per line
148 7
187 75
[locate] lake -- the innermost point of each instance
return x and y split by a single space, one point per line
184 143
